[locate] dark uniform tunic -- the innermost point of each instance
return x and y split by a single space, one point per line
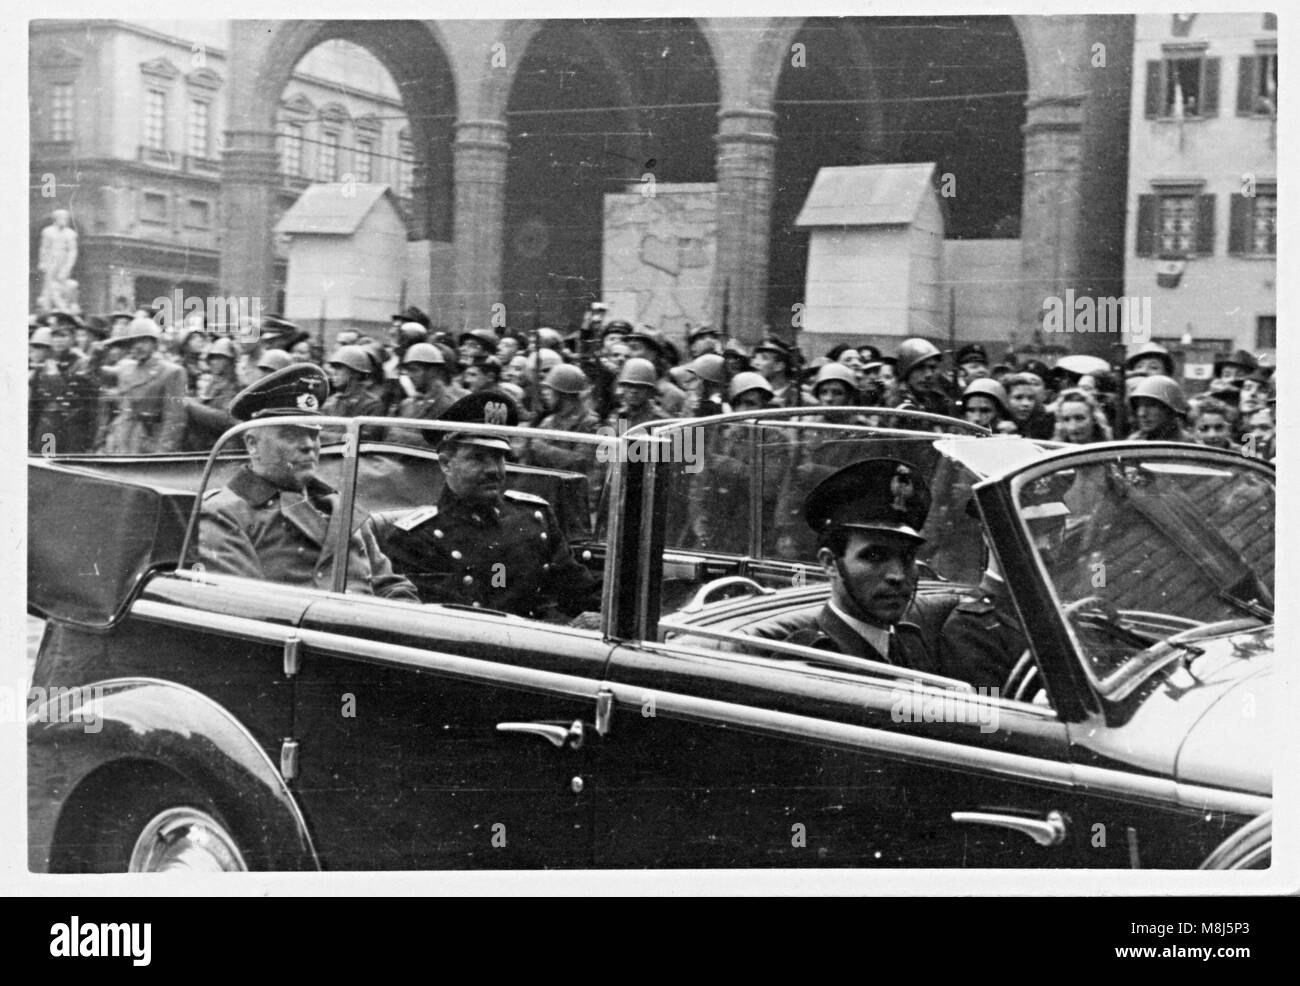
981 640
511 556
255 529
424 408
358 403
906 646
63 403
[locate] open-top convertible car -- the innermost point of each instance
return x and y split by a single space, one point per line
195 717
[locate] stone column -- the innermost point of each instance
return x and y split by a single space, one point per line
746 141
250 179
1051 209
479 165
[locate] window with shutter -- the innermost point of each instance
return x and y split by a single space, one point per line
1210 87
1146 225
1246 85
1155 88
1239 218
1205 226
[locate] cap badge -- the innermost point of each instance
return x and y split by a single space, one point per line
308 402
900 488
494 413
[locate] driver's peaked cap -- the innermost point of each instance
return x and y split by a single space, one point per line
885 495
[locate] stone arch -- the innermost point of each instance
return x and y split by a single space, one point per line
263 55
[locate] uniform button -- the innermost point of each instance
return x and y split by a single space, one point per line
437 533
537 516
478 605
468 580
543 535
457 555
546 566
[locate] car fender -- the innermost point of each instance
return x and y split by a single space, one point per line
82 738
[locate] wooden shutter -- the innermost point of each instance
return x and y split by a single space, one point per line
1148 214
1205 226
1210 87
1246 66
1155 89
1240 215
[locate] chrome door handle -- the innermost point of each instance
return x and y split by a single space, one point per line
559 736
1046 832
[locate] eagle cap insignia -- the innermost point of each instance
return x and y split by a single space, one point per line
900 488
494 413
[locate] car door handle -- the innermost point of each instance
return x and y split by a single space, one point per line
1046 832
559 736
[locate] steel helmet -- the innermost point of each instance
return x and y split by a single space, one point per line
41 337
640 372
743 382
273 359
549 339
1151 349
424 352
485 337
913 352
141 327
836 371
547 358
223 347
1161 389
565 379
355 358
708 366
412 332
989 388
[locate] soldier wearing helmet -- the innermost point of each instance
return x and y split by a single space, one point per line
564 396
208 414
647 344
919 387
749 391
836 385
1149 359
636 390
150 396
710 375
984 402
62 395
1159 410
350 368
425 368
477 342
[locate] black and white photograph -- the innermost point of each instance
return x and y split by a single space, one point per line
793 451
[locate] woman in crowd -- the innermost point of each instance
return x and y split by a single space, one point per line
1080 419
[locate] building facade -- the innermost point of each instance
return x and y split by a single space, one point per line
129 123
518 128
1201 238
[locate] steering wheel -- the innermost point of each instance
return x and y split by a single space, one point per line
1023 679
1101 606
720 588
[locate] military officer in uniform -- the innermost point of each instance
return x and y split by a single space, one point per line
276 520
982 639
867 518
150 397
486 546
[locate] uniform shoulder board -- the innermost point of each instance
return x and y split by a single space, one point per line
975 604
519 497
415 518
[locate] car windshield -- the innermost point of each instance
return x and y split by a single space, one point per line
1149 551
736 487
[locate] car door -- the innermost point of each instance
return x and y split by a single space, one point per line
437 737
715 759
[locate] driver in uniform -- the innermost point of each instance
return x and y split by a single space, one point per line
867 518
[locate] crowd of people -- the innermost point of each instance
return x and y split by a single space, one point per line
122 384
